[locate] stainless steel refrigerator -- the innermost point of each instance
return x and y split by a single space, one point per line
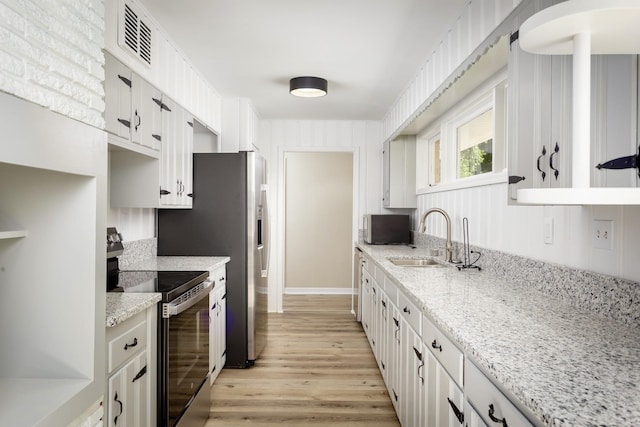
229 217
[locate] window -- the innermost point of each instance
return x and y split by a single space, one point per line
435 164
475 145
465 145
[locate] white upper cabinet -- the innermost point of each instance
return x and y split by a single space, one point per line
136 39
599 96
239 125
399 173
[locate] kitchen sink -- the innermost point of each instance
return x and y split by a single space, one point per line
416 262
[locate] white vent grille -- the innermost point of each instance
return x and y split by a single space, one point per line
134 34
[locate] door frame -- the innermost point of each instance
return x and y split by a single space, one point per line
278 289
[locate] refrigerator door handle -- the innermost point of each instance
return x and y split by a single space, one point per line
264 189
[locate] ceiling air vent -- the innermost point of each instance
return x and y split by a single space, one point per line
134 33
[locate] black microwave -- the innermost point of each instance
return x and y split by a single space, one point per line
387 229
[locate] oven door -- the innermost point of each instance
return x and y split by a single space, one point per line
184 360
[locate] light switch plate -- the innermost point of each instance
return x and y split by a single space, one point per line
548 230
602 234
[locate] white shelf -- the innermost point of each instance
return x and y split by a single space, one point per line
12 234
29 401
582 28
580 196
614 27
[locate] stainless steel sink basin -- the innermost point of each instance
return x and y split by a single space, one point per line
415 262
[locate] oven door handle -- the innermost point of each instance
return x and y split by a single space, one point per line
186 300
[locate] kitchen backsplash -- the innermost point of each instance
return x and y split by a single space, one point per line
610 297
138 250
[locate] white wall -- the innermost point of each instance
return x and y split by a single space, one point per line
519 229
51 55
360 137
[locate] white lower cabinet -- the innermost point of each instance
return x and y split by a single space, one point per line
131 349
217 323
430 382
471 417
489 402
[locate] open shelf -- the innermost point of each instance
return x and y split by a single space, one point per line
29 401
12 234
582 28
612 26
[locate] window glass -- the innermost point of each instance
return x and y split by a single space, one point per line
434 161
475 145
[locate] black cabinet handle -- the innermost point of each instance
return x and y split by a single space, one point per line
418 353
544 153
555 151
395 395
165 107
139 120
128 346
515 179
115 419
459 415
164 192
435 345
157 101
406 310
494 419
158 137
126 123
213 307
140 374
125 80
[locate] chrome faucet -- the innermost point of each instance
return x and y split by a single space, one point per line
422 228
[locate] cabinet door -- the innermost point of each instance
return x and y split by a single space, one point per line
117 97
395 364
375 318
366 303
413 354
383 335
214 369
146 113
168 179
386 156
185 158
129 390
471 417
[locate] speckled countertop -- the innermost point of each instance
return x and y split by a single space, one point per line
178 263
568 366
121 306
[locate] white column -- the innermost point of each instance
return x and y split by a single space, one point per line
581 166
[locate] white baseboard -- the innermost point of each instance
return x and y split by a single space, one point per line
317 291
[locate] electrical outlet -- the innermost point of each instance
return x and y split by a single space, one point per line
602 234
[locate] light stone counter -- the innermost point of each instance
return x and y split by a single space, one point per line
121 306
568 366
178 263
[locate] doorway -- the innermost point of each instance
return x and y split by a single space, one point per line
318 238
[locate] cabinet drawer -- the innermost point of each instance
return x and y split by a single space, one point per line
127 343
444 350
488 401
410 312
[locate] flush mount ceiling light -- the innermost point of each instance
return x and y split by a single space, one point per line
308 87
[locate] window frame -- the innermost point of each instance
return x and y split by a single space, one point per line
490 95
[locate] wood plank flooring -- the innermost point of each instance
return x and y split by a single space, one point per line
316 370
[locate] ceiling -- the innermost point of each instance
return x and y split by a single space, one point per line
368 50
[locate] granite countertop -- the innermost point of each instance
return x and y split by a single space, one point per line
178 263
568 366
121 306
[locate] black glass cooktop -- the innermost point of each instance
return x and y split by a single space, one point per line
170 283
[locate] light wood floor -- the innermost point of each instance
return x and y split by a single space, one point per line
316 370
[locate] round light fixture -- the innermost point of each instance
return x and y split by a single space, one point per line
308 87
